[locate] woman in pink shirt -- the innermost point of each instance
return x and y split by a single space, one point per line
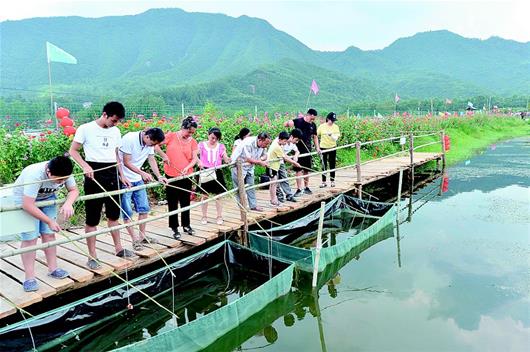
211 155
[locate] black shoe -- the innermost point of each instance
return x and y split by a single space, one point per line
307 191
281 200
176 234
291 199
188 230
298 193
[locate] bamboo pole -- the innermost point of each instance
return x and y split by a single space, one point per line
319 243
319 321
10 253
398 203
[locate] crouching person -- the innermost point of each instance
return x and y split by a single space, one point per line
40 182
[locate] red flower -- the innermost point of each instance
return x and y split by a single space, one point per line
17 124
49 131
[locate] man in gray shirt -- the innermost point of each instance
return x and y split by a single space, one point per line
40 182
252 151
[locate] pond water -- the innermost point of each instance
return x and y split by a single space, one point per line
460 280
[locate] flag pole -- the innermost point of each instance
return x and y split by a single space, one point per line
309 96
51 94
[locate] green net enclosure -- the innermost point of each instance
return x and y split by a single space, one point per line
348 223
211 293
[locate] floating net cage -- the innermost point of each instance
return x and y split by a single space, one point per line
348 223
211 293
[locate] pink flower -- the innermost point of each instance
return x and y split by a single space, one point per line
17 124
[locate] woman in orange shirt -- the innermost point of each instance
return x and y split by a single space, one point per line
182 155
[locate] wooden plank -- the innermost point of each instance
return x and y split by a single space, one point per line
18 274
12 290
6 308
80 260
110 259
192 240
75 272
163 240
41 273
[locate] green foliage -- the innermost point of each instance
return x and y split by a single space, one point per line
235 62
18 150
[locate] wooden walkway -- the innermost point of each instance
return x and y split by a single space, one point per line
72 258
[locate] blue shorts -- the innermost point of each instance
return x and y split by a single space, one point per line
41 227
138 198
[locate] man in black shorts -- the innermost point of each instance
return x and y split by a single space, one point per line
100 140
309 134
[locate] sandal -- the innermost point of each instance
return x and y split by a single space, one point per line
149 240
275 204
220 221
93 264
125 253
137 245
204 221
58 274
30 285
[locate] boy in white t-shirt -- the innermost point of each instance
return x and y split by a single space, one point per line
40 182
100 140
136 148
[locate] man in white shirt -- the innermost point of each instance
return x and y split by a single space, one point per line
100 140
252 151
136 148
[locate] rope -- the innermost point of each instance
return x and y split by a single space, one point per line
125 281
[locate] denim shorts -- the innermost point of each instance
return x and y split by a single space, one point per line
40 226
138 198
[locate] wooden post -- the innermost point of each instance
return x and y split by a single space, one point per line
358 166
411 185
243 202
400 183
411 149
443 149
319 243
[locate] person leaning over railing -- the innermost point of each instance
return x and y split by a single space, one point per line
284 190
136 148
54 174
252 151
309 136
211 155
100 140
329 133
179 159
276 155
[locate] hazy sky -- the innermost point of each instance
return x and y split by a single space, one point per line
322 25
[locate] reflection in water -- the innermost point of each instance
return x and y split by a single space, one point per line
464 285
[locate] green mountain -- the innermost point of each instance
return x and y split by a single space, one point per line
173 53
